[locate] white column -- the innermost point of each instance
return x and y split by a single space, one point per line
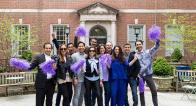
113 32
82 38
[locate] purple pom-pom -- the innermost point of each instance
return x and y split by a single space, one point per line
141 85
80 31
19 63
47 67
109 58
105 59
76 66
154 32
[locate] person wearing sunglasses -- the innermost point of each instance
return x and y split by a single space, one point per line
64 77
70 46
92 78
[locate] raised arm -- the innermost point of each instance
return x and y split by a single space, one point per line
54 40
153 50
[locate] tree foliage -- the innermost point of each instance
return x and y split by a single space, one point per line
11 41
185 25
176 55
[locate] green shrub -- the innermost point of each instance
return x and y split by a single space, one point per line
27 55
161 67
2 69
193 65
176 55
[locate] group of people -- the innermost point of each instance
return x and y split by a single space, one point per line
93 78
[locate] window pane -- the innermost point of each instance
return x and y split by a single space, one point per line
21 44
173 40
60 33
132 34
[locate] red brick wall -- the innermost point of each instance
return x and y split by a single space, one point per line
134 4
42 21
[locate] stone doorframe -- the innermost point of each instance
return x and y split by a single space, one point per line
99 12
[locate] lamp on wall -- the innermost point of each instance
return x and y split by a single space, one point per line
67 31
136 21
137 32
59 20
174 21
20 21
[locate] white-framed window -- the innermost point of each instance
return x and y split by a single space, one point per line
21 38
136 32
173 39
59 30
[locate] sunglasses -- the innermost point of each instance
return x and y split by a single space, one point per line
91 50
62 48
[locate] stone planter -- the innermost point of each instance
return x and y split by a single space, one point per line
164 83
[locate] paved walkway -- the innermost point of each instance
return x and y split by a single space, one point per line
165 99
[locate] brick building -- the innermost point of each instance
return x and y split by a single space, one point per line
118 21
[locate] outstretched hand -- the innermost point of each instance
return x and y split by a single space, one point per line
53 35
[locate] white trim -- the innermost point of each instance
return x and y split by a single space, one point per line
54 51
98 17
113 32
38 10
29 36
84 39
120 10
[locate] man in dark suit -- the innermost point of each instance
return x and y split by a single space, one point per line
44 83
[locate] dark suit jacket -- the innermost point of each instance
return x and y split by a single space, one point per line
41 78
133 70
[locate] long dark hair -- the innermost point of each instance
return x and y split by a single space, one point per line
99 47
61 56
120 55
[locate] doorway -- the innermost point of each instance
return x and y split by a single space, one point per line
98 32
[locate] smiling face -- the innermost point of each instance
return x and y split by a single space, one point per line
102 49
109 46
93 42
139 46
81 47
127 48
92 52
47 49
116 51
70 47
63 49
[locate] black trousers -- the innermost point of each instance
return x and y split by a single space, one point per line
92 86
94 97
67 93
151 84
66 90
47 92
